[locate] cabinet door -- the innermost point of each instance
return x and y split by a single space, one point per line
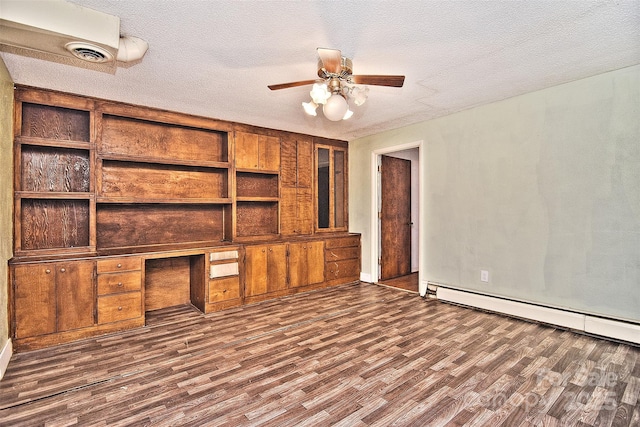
75 295
246 151
306 263
255 270
296 199
34 300
315 262
268 153
296 211
297 264
277 267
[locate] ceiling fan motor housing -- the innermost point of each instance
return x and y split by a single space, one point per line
346 66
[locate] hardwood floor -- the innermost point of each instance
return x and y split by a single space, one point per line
408 282
354 355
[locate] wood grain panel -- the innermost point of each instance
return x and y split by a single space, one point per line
119 307
75 294
119 282
54 169
277 267
146 139
269 153
224 289
54 223
256 185
152 181
147 224
35 299
256 218
255 270
247 156
167 282
43 121
288 162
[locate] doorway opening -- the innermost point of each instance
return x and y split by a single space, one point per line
396 247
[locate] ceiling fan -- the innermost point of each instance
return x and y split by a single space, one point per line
336 83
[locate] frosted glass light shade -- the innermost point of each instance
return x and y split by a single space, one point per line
319 93
335 108
310 108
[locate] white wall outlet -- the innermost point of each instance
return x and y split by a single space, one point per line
484 276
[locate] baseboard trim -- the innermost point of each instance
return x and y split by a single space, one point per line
5 356
364 277
576 321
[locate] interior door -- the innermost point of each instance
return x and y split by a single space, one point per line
395 217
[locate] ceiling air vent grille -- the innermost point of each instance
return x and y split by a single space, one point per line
89 52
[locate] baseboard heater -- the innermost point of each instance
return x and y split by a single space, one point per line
609 328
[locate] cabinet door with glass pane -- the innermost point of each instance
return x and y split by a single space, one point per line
331 188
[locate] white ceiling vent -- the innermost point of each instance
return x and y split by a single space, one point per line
61 28
89 52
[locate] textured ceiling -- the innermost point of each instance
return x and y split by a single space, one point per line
215 58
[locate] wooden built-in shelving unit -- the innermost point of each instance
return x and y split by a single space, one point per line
121 209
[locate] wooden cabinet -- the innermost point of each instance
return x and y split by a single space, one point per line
54 149
119 289
257 159
296 201
265 269
306 263
223 283
257 152
121 209
342 259
53 297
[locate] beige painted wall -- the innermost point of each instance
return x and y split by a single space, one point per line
542 190
6 194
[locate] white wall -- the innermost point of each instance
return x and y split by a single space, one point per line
542 190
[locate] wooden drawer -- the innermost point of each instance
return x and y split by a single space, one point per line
117 307
224 289
337 254
343 269
342 242
119 282
113 265
223 269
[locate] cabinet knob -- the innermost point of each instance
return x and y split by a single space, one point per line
263 250
47 271
119 265
119 284
62 270
120 308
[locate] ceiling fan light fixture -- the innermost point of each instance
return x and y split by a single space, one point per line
347 115
319 93
310 108
360 95
335 108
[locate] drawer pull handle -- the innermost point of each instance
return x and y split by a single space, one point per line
119 265
62 270
47 271
120 308
119 284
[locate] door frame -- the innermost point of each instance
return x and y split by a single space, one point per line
375 204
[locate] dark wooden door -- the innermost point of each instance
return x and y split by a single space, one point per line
395 217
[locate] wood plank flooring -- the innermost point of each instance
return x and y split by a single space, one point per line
354 355
408 282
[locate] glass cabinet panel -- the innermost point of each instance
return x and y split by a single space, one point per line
331 188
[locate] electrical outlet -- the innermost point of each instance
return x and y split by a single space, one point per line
484 276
